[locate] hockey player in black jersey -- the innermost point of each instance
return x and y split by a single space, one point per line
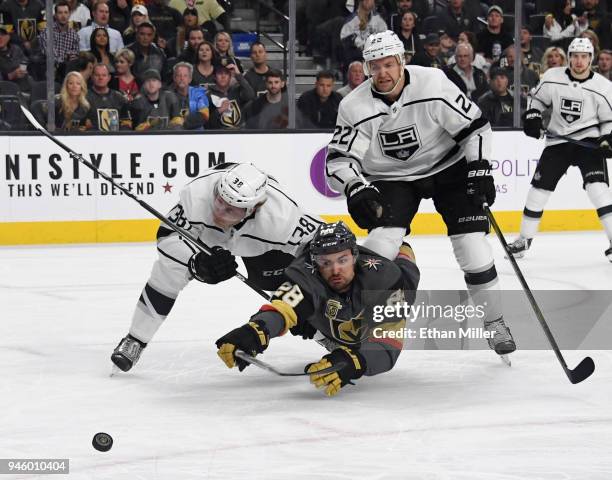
579 101
407 134
327 292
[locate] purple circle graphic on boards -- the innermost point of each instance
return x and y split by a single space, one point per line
317 174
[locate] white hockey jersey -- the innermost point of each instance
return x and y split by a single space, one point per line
431 126
279 224
579 108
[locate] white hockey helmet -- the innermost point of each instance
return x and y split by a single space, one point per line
580 45
380 45
244 186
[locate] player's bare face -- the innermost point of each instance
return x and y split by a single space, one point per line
337 269
580 64
225 215
385 74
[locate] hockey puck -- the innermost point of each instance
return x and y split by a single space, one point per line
102 442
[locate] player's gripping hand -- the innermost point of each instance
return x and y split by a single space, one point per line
220 265
363 200
304 329
480 183
532 123
252 338
332 382
605 145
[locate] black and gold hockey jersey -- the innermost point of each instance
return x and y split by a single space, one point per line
161 114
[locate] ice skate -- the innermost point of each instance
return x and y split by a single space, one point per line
608 253
502 342
127 353
519 247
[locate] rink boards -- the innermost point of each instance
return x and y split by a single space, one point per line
47 197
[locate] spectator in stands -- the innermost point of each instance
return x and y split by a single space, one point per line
119 14
455 19
479 61
408 34
492 41
13 62
597 19
529 78
190 22
139 15
28 20
419 8
148 55
269 111
594 38
108 109
256 75
192 100
65 39
156 109
83 64
562 24
497 105
208 10
604 63
204 71
553 57
430 56
319 107
471 80
72 107
447 46
101 14
100 48
228 99
166 20
189 54
124 81
225 50
79 15
531 54
357 28
355 77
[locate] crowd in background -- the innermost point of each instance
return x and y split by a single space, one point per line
171 65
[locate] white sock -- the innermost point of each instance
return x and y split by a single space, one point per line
534 208
601 198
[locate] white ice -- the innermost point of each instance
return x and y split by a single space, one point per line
181 414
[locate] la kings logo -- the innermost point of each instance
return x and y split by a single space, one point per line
571 110
400 144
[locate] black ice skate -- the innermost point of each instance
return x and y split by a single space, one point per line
608 253
127 353
519 247
502 342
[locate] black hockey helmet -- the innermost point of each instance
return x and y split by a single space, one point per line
332 238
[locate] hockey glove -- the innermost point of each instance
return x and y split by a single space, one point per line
605 145
353 369
303 328
252 338
532 123
480 184
217 267
364 205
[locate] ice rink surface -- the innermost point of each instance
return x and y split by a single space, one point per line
181 414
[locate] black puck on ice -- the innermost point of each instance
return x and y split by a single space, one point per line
102 442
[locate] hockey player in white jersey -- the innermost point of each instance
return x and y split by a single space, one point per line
236 210
581 109
408 134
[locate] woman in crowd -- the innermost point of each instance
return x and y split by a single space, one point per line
139 14
407 33
561 24
71 106
225 51
100 47
123 80
553 57
204 71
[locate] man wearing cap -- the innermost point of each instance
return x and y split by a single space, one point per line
12 59
101 16
430 57
492 41
498 104
227 99
471 80
148 55
156 109
531 54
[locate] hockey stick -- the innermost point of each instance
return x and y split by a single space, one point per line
266 366
181 231
586 367
571 140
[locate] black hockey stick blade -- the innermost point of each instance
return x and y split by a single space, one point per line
571 140
582 371
266 366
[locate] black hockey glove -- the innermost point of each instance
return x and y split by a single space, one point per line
605 145
480 184
532 123
354 367
252 338
363 202
303 328
217 267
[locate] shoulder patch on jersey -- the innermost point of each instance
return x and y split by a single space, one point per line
571 109
371 263
400 144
